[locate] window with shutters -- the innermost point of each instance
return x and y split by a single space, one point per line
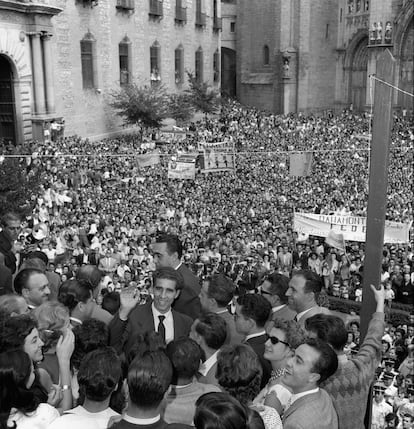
87 46
199 65
155 63
124 62
179 65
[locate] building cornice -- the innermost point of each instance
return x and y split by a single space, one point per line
29 8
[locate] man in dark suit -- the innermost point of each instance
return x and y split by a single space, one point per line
216 293
133 319
252 313
303 292
209 332
168 251
273 288
310 406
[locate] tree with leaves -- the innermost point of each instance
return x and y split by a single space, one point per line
181 108
20 179
201 95
145 106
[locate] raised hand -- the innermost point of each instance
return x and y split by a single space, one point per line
129 298
65 346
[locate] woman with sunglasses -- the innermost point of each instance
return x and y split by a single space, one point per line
283 338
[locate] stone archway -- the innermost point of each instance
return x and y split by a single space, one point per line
7 101
358 75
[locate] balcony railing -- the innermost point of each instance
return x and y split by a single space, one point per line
200 19
125 4
155 8
217 24
181 14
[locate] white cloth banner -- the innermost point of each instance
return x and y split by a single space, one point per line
218 156
181 170
148 159
353 228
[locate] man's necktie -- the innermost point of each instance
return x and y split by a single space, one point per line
161 327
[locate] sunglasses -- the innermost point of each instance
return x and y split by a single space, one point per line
275 340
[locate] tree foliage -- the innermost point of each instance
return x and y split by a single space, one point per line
181 108
19 182
202 96
145 106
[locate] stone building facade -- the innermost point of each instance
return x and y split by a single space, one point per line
295 55
60 60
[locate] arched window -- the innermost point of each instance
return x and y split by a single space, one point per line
88 61
199 65
125 61
266 55
155 62
179 64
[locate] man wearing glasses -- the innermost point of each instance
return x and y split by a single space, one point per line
273 288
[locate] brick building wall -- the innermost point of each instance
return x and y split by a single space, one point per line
86 111
320 52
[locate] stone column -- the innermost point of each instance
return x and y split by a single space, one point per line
50 89
37 66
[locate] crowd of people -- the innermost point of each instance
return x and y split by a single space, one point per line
132 279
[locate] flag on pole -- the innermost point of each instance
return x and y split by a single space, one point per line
336 239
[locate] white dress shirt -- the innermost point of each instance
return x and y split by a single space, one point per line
168 323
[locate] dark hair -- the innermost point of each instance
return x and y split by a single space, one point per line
99 373
173 243
354 322
401 331
149 377
392 417
185 356
10 216
15 369
255 307
239 372
313 281
72 292
279 284
90 274
14 330
327 363
170 274
328 328
91 335
111 302
151 341
213 328
22 278
219 410
37 254
221 288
